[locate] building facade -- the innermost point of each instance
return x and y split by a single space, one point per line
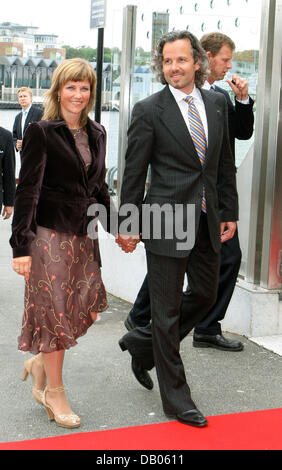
25 41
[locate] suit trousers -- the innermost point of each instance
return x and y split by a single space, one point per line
159 343
141 309
230 261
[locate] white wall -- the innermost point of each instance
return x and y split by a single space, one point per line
122 273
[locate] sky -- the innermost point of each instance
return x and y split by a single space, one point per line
70 19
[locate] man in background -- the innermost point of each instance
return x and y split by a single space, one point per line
219 49
28 114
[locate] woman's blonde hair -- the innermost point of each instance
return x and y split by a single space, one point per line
70 69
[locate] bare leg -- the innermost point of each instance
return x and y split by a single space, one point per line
53 363
38 372
94 316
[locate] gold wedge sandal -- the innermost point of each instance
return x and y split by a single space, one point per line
64 420
36 393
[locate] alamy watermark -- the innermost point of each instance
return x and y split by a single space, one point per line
154 222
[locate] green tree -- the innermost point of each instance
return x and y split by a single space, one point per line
247 56
87 53
83 52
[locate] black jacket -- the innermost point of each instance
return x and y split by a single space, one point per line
158 136
55 190
35 114
7 168
240 119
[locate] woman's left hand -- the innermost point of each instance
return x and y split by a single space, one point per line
22 266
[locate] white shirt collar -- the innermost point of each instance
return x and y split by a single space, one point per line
208 86
26 110
179 95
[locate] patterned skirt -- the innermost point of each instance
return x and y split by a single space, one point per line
64 294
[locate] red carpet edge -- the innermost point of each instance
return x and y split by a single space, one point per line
258 430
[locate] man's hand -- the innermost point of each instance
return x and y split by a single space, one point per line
239 86
227 230
22 266
7 212
127 243
19 145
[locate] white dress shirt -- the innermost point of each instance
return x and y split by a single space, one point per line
24 116
183 106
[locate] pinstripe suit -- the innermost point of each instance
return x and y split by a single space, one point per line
158 136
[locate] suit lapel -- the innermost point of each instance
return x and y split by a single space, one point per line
173 120
20 131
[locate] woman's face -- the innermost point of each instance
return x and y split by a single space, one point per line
74 98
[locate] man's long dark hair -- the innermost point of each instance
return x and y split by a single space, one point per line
197 51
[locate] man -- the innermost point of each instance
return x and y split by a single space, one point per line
207 333
7 173
185 170
28 114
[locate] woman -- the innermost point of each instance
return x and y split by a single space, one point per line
62 174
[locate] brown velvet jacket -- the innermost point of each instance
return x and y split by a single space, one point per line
54 189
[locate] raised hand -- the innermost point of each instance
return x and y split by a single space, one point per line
239 86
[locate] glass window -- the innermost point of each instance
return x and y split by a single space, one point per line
238 19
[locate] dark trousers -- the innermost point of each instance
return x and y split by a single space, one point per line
230 260
173 318
141 310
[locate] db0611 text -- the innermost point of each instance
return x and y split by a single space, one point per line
161 459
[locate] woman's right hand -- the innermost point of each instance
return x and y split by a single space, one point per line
22 266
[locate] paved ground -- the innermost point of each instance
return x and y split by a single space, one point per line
101 387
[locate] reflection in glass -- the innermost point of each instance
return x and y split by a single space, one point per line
240 20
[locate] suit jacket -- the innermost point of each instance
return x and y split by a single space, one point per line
35 114
7 168
158 136
54 189
240 119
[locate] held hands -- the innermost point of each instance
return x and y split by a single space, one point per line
239 86
227 230
22 266
7 212
19 145
127 243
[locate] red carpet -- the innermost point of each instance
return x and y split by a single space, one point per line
259 430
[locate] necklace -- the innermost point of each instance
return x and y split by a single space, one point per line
76 132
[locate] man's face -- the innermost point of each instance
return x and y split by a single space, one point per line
179 67
220 63
25 99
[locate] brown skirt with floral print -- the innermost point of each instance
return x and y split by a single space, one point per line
64 293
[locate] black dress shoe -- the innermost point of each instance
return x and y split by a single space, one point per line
217 342
141 374
129 323
191 417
